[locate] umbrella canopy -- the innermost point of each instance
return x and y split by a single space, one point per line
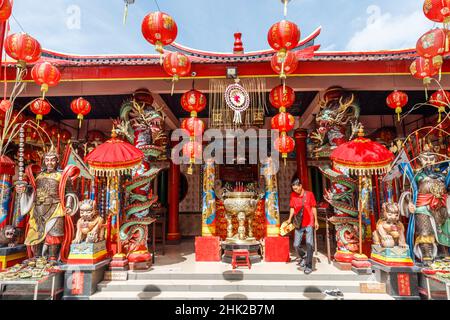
6 166
114 157
362 156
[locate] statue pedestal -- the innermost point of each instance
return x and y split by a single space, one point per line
401 282
207 249
10 256
87 253
253 249
81 280
276 249
393 257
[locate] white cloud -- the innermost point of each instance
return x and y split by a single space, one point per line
386 31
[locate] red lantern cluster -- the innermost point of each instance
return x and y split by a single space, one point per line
46 75
440 99
81 107
40 107
159 29
397 100
283 97
282 37
432 45
193 102
23 48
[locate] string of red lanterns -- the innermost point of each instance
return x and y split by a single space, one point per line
193 101
283 97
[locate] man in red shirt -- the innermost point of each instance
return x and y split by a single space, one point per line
302 198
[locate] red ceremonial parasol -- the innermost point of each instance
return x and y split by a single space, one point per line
113 158
362 157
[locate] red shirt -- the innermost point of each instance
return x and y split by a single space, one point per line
310 202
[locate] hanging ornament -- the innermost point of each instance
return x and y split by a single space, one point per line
282 98
284 144
440 99
40 107
46 75
193 126
125 13
81 108
5 10
193 101
283 121
23 48
176 65
159 29
238 100
437 10
290 64
397 100
283 36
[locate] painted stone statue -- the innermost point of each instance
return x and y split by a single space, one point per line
90 227
337 121
48 230
389 243
430 220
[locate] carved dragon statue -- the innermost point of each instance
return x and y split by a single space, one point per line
337 121
143 126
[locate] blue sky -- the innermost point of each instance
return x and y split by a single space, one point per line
209 24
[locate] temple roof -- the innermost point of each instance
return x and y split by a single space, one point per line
306 50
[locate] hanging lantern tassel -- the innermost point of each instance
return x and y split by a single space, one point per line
174 79
237 117
440 110
190 170
125 14
284 155
80 119
398 110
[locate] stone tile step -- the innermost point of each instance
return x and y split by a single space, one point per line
228 286
243 275
199 295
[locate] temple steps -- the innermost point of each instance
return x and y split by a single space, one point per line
245 285
208 295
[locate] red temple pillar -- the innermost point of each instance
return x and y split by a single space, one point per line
302 168
173 234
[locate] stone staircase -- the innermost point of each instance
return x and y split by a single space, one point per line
233 284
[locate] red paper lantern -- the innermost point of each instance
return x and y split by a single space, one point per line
397 100
46 75
284 144
5 10
23 48
5 105
283 36
40 107
440 99
193 101
422 68
81 107
176 65
437 10
432 45
283 122
65 135
282 98
193 150
194 126
159 29
290 64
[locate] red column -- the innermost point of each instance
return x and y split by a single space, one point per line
302 168
173 234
